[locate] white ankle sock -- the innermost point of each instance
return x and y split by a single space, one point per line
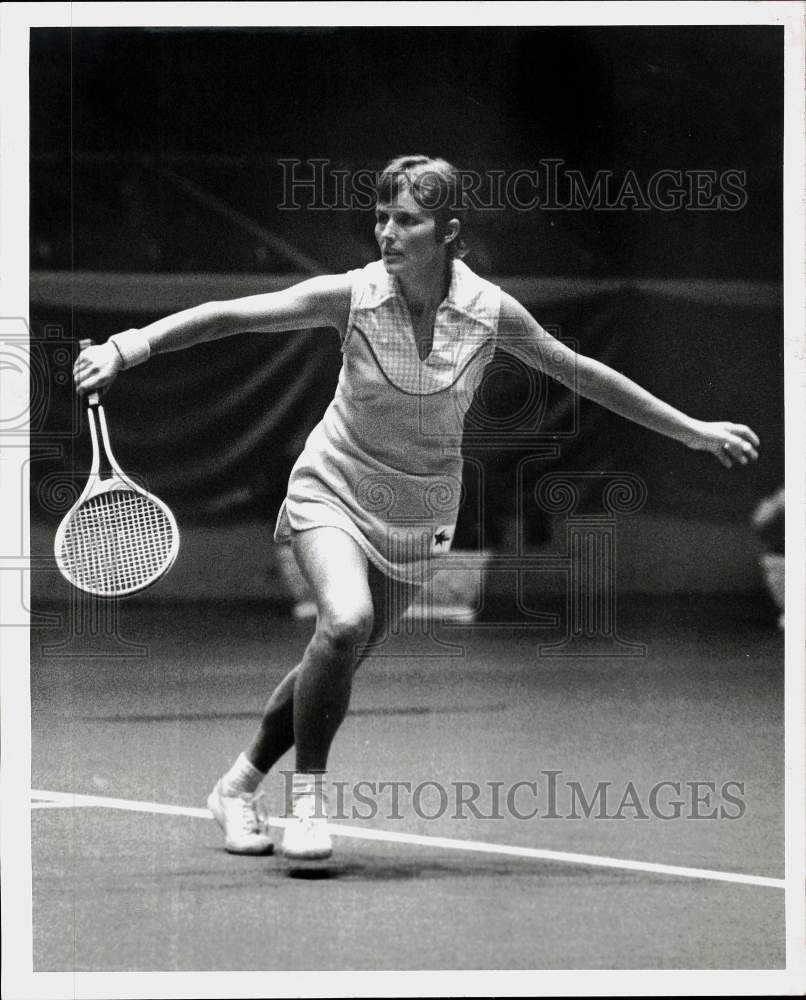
243 776
303 785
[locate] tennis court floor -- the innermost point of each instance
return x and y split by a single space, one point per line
130 873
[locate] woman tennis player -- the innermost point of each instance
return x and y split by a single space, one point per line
373 499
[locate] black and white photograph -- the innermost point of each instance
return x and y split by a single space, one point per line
401 447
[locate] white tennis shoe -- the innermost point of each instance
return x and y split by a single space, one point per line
244 820
306 837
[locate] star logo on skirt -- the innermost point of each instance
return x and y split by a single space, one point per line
442 538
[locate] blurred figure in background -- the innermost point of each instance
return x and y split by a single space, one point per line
768 522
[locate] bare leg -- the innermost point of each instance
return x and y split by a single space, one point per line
309 704
326 693
275 735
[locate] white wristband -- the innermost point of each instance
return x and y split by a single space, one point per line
132 346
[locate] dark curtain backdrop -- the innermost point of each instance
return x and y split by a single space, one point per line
155 185
215 429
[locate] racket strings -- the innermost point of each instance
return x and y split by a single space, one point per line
117 542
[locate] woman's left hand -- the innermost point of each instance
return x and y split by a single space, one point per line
728 442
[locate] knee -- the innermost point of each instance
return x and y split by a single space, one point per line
344 630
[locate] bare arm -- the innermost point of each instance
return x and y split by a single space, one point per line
729 442
321 301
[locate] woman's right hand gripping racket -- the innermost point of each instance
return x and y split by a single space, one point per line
117 539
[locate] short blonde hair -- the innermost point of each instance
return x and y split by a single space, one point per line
435 185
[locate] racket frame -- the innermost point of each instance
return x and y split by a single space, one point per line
97 485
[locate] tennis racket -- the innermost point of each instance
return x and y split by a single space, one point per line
117 539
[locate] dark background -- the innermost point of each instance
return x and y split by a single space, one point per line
226 104
154 153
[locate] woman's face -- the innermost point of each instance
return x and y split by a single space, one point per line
406 234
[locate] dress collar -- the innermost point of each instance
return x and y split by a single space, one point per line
454 298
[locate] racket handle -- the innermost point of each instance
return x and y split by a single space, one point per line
93 399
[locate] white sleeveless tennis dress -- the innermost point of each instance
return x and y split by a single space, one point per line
384 464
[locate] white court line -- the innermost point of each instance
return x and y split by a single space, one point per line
68 800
